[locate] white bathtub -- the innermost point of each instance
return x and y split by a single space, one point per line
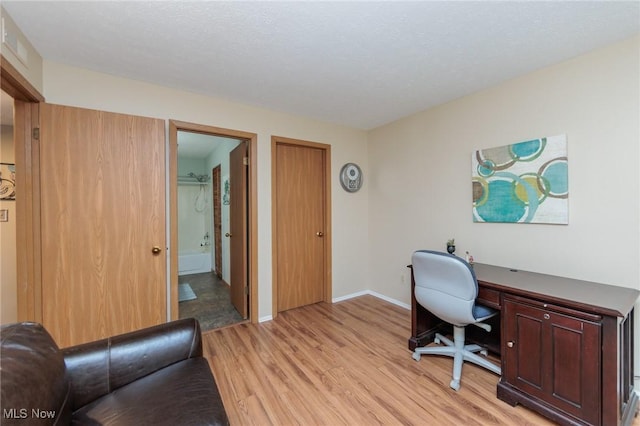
194 263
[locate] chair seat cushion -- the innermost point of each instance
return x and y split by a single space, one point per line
481 312
184 393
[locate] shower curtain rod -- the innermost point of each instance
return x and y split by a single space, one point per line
194 178
191 182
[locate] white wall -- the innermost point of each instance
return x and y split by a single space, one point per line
192 224
78 87
420 192
8 265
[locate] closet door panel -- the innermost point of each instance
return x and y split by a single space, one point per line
103 211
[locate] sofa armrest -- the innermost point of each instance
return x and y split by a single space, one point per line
98 368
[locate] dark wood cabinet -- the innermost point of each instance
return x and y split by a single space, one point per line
566 345
551 356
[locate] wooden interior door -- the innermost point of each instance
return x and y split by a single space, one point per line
299 225
217 220
238 162
103 223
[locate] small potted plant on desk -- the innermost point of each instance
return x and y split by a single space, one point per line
451 246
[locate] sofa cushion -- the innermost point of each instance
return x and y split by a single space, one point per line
184 393
99 367
33 376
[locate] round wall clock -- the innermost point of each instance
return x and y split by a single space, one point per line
351 177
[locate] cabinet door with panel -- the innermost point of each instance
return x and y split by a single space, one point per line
552 355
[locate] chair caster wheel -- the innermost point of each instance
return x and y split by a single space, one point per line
484 352
416 356
455 385
436 341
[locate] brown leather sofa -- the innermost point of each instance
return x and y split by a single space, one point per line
154 376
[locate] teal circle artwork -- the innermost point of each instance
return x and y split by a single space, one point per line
528 150
525 182
555 173
501 193
529 184
486 168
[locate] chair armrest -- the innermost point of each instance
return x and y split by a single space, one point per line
98 368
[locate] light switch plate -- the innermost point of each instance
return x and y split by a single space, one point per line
4 215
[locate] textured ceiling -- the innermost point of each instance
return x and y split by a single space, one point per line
361 64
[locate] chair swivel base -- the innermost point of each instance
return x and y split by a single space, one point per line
459 352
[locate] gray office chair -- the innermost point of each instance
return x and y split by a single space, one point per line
447 287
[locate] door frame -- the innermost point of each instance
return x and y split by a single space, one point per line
281 140
252 261
27 158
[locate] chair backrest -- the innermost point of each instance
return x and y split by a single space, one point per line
445 285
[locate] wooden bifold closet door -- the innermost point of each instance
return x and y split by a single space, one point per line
103 223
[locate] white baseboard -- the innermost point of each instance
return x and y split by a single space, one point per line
351 296
375 294
265 318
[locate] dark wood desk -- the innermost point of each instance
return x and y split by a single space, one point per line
566 345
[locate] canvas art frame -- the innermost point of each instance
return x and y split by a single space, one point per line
524 182
7 181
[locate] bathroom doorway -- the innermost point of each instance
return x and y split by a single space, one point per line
204 227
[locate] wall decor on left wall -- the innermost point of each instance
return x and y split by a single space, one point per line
7 181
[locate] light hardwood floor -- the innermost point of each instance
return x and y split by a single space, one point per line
347 364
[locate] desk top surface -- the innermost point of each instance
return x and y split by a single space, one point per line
603 298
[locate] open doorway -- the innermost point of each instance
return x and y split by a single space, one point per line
204 230
213 224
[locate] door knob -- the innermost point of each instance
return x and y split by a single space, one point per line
320 233
156 250
509 344
227 235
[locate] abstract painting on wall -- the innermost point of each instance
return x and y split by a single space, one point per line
7 181
525 182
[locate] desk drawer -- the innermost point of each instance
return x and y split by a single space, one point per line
488 297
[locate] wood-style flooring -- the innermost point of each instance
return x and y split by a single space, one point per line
347 364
